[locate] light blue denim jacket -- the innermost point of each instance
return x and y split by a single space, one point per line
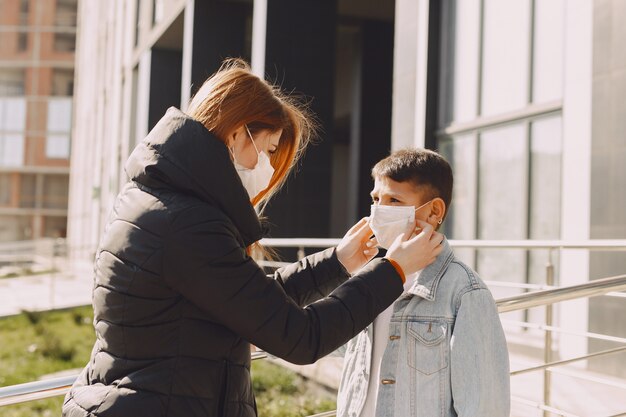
446 354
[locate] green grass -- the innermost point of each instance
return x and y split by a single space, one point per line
36 344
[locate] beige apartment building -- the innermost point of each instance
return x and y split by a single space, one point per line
37 43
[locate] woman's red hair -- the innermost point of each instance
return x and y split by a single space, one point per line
234 96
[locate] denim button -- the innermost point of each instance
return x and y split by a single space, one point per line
387 381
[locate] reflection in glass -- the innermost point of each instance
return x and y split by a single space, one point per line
460 223
505 56
459 60
548 50
503 202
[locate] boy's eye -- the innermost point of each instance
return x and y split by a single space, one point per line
394 200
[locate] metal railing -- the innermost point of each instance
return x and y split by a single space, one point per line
60 386
547 295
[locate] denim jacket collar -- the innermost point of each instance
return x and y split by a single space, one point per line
426 284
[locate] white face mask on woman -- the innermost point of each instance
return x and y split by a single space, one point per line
388 222
255 179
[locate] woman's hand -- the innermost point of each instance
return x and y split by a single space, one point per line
356 248
414 251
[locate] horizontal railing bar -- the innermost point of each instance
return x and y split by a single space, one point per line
38 390
521 286
300 242
326 414
541 298
616 294
542 406
595 244
566 361
580 375
545 327
519 302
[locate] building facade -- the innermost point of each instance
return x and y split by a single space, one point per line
524 97
37 42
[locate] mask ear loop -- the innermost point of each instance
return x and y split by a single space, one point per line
252 139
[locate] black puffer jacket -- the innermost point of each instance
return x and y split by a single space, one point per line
177 300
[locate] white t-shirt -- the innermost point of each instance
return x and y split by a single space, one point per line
381 337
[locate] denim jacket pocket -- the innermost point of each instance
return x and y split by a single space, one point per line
427 349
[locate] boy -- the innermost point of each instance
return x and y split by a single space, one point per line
439 350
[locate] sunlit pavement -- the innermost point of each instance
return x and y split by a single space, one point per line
45 292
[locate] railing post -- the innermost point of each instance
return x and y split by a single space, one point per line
547 355
301 253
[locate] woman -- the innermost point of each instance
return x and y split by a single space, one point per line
178 300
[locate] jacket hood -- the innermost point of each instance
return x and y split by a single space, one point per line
180 154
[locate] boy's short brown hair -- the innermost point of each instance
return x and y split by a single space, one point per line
426 169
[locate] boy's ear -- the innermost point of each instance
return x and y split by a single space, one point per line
438 209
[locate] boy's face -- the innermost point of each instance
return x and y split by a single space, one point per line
388 192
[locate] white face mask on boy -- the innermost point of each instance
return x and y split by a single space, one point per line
255 179
388 222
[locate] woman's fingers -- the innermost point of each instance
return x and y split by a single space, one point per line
359 226
436 239
426 229
371 247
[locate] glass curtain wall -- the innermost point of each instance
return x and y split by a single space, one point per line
499 124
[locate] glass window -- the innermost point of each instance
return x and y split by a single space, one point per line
11 149
57 146
460 59
66 13
24 10
545 151
503 183
545 190
12 114
60 115
5 189
59 127
548 50
55 191
503 202
64 41
506 38
460 222
28 190
22 41
62 82
11 82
